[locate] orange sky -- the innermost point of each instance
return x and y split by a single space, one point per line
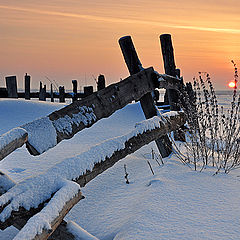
75 39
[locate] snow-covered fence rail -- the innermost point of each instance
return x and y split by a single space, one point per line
12 140
41 193
47 132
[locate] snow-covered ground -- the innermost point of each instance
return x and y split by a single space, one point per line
175 203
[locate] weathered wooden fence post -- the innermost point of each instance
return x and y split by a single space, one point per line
170 69
51 93
45 92
40 89
42 92
134 66
61 94
27 87
74 82
101 82
88 90
11 83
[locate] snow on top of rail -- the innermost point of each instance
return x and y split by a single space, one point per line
45 217
11 135
161 76
33 191
85 116
41 134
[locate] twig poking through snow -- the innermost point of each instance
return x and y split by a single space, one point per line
126 174
150 167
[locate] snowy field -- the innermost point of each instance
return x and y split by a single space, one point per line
175 203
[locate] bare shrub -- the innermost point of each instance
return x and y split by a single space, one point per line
213 132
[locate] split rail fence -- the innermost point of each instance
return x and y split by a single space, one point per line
139 86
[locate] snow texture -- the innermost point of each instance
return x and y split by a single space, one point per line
33 191
176 203
78 232
10 136
6 183
43 219
41 134
85 116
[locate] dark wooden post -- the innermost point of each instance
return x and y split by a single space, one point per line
101 82
51 93
11 83
134 66
42 92
88 90
178 72
40 89
74 82
27 87
170 69
61 94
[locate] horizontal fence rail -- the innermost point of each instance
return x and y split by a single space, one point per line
66 122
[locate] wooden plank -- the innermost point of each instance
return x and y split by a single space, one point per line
11 83
27 86
61 94
74 83
170 69
147 103
101 82
101 104
9 141
62 233
51 93
88 90
56 222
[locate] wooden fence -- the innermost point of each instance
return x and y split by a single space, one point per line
10 91
81 114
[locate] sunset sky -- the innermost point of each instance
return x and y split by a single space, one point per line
76 39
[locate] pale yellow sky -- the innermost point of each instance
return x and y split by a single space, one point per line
75 39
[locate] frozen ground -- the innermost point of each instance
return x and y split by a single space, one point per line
175 203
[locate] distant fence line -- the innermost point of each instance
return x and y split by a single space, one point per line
10 91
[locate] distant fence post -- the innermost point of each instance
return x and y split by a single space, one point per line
11 83
42 92
40 87
88 90
74 82
51 94
101 82
27 87
134 66
170 69
61 94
